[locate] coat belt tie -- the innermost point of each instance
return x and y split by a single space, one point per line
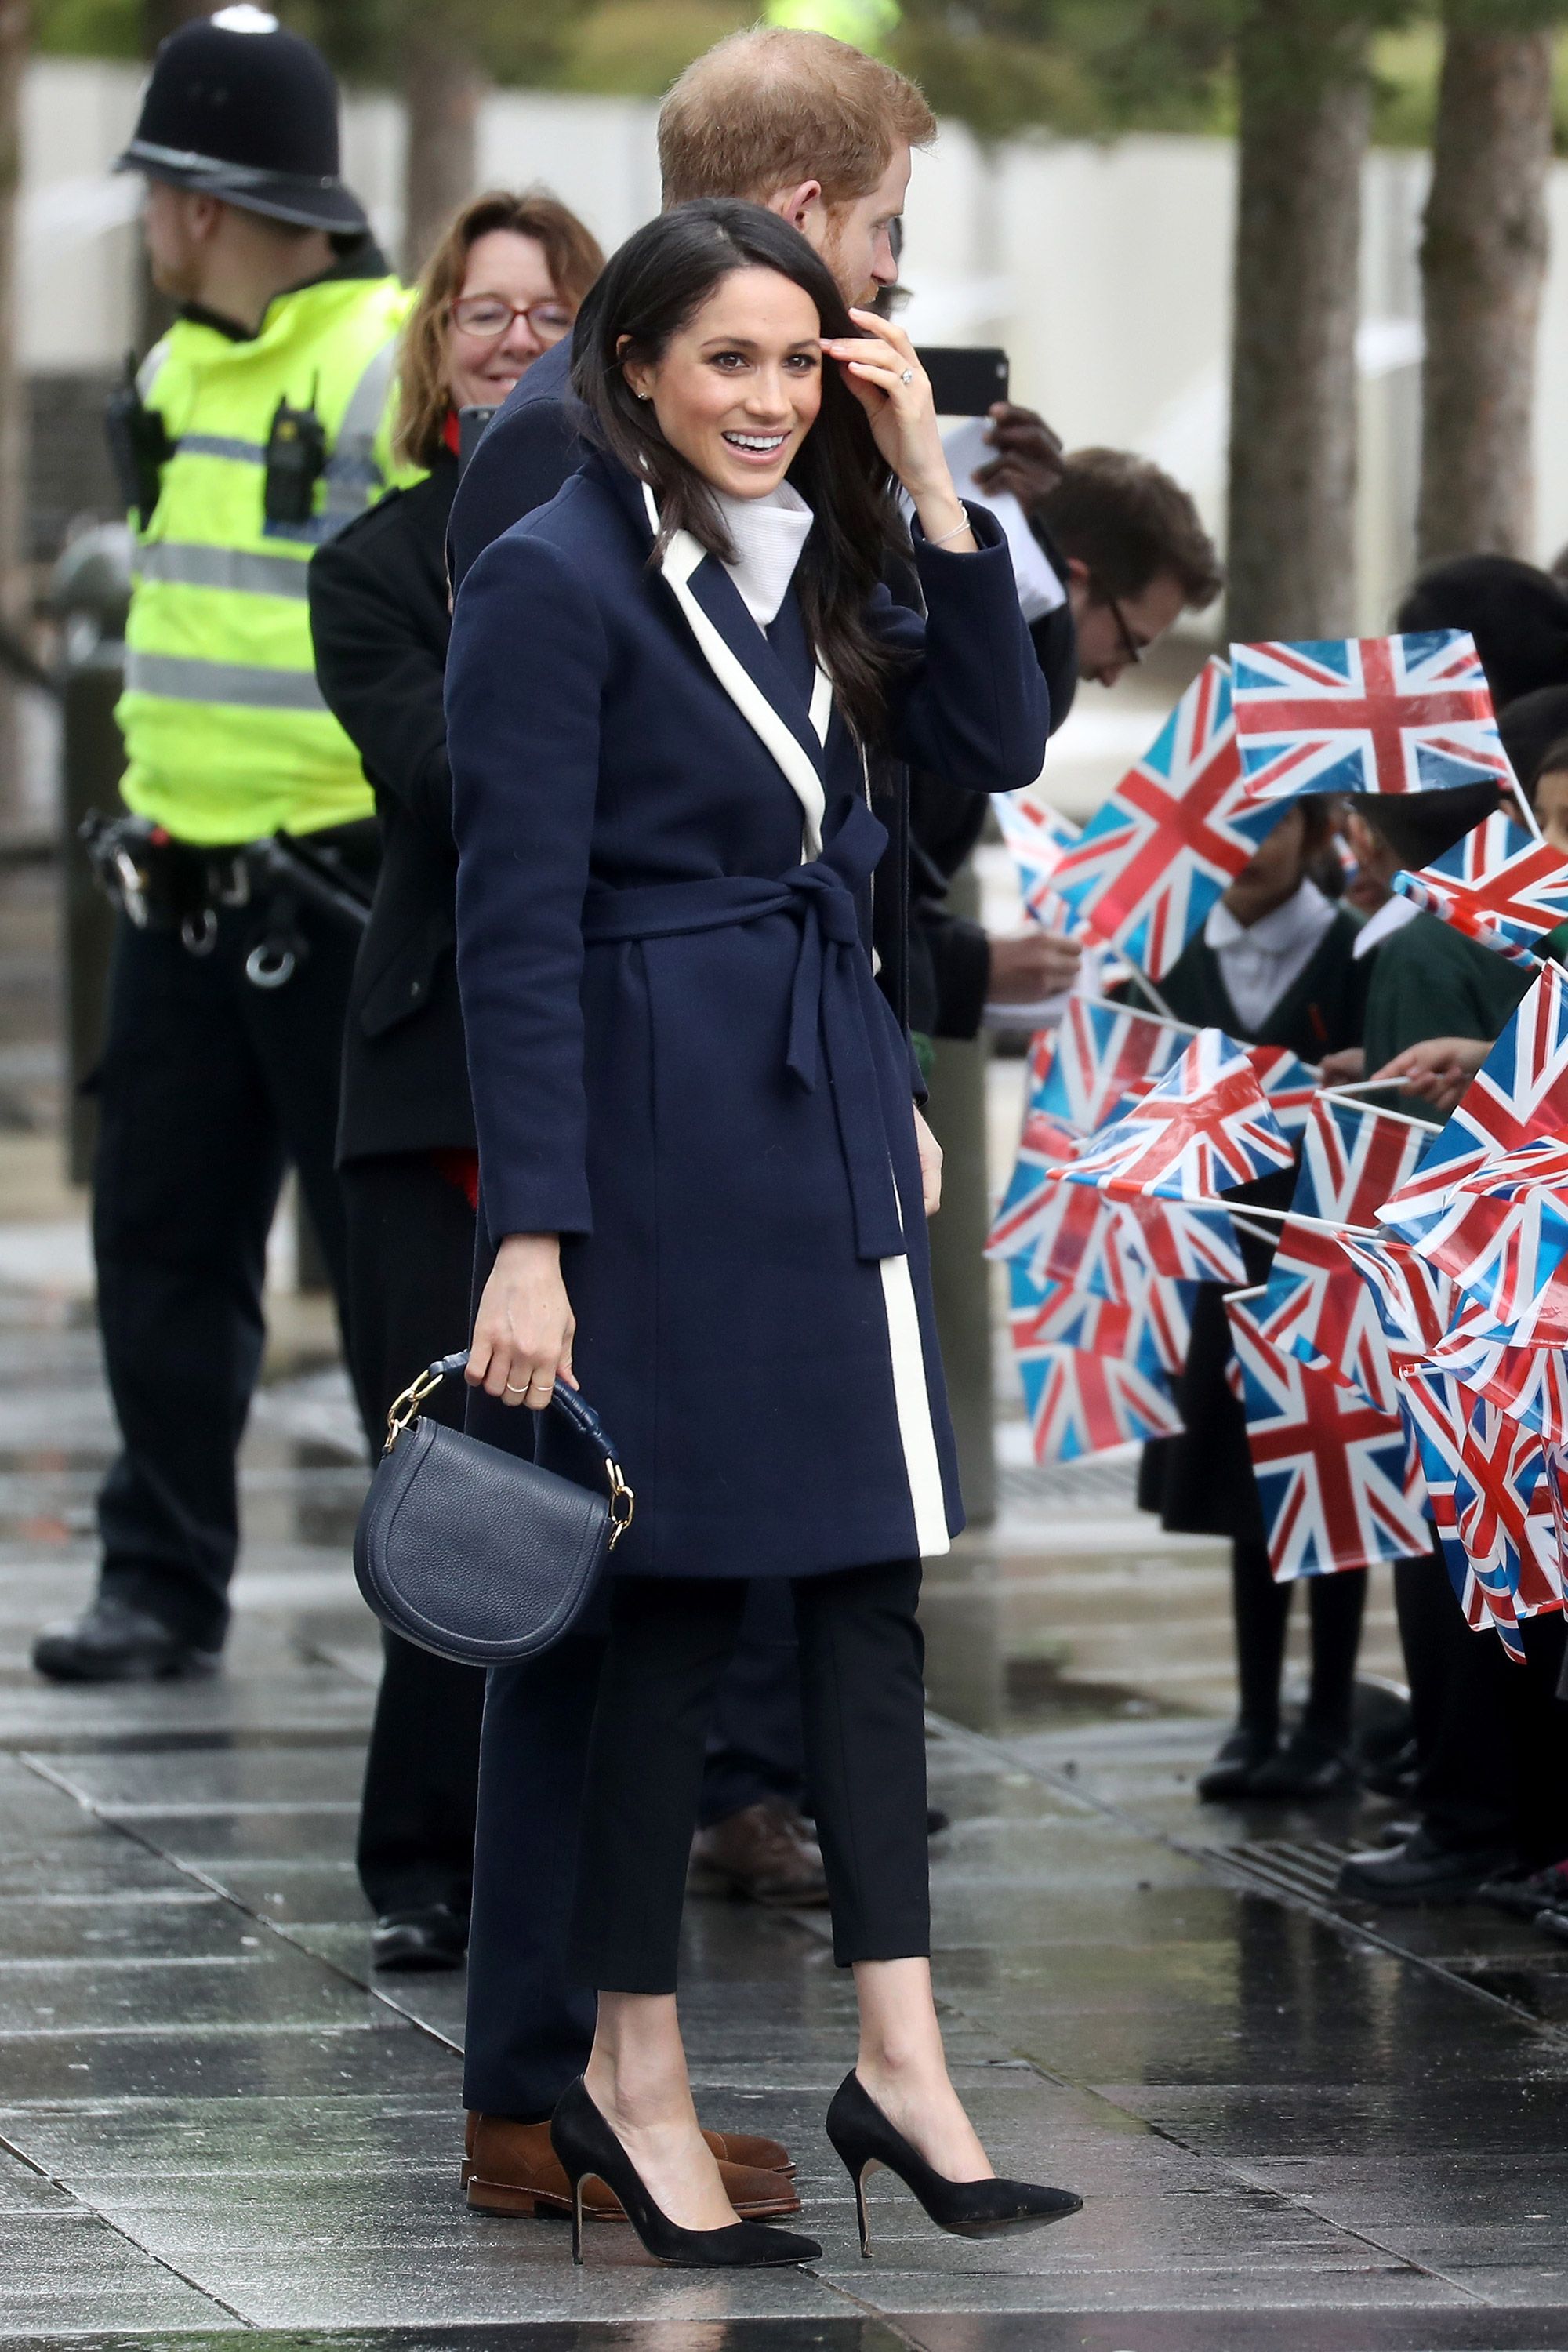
833 998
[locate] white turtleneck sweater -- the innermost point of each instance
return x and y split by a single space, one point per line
769 535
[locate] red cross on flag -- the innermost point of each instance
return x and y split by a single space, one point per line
1205 1128
1408 714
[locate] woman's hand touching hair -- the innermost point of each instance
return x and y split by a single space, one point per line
523 1331
885 377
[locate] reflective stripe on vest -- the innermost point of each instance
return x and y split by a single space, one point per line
222 567
181 677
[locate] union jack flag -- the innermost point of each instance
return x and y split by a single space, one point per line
1081 1403
1414 1303
1104 1055
1176 830
1316 1308
1290 1084
1162 1333
1529 1384
1203 1128
1364 715
1352 1158
1520 1094
1048 1314
1043 1144
1039 839
1080 1241
1503 1238
1333 1475
1510 1543
1508 905
1179 1239
1437 1416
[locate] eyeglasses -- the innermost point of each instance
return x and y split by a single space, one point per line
487 318
1131 646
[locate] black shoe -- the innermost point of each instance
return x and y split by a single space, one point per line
1553 1923
113 1642
1423 1870
587 2147
1231 1773
414 1943
1526 1894
1309 1769
970 2208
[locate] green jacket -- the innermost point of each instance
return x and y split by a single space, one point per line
1430 980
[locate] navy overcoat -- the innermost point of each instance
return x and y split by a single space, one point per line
680 1061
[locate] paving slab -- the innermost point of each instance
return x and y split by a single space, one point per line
1290 2121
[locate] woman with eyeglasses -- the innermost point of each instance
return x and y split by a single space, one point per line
502 285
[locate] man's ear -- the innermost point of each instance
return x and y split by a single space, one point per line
797 205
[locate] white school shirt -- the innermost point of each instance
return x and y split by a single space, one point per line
1258 964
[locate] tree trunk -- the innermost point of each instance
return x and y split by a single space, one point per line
443 89
1304 112
15 600
1483 261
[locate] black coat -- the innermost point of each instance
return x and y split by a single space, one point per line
380 620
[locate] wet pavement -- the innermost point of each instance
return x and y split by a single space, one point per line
1290 2124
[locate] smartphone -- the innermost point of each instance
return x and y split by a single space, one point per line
471 424
965 382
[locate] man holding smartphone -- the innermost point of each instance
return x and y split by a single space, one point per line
1125 542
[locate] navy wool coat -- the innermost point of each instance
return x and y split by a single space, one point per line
681 1061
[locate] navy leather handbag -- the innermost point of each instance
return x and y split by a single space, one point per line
473 1553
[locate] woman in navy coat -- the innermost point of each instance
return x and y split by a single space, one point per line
701 1166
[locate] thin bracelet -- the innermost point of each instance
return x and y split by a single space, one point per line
963 526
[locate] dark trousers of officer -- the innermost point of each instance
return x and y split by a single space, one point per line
411 1265
208 1086
1492 1738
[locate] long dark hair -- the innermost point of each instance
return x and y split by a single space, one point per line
647 292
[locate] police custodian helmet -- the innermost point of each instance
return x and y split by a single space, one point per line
237 108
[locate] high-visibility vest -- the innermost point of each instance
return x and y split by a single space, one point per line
227 736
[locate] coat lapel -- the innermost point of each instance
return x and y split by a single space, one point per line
750 672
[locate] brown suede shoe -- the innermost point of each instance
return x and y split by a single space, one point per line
765 1853
750 2151
515 2171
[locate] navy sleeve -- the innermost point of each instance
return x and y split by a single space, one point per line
524 685
519 464
971 705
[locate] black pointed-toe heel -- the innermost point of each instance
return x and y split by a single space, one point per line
586 2148
864 2139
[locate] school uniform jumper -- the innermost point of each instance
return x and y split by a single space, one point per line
681 1064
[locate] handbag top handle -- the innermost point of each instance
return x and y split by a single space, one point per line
571 1407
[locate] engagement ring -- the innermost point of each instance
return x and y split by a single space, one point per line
908 376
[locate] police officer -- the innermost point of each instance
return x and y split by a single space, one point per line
256 429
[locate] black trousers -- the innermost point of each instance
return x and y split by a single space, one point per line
1492 1738
207 1088
863 1708
410 1269
1262 1609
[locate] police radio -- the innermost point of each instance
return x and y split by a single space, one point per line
139 446
296 460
